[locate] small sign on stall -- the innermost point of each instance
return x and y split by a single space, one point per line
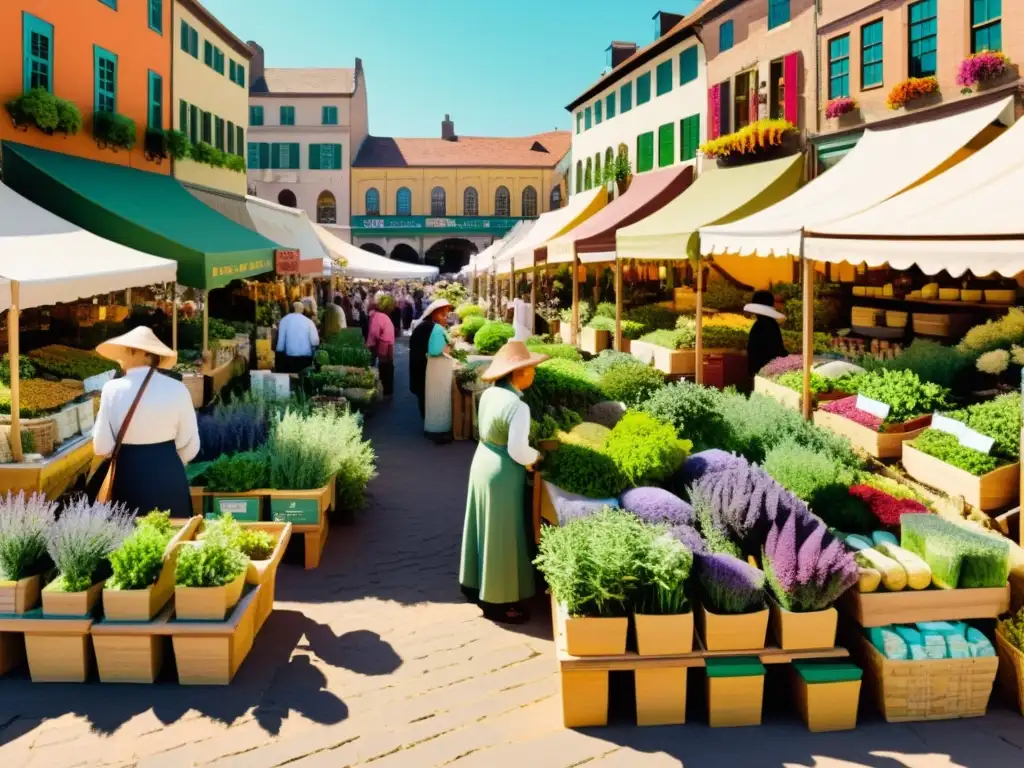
286 262
874 407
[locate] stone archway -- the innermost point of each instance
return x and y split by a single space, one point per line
406 253
450 254
287 198
374 248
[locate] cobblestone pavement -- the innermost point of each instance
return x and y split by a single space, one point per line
374 659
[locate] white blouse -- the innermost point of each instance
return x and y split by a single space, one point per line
164 413
519 437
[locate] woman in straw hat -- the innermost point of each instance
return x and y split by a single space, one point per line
146 419
765 341
437 374
496 572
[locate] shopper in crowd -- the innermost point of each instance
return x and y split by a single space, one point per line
334 318
394 313
521 310
496 572
417 304
765 341
407 311
419 341
297 338
437 420
381 342
146 426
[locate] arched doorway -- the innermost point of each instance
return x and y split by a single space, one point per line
326 208
450 255
374 248
287 197
406 253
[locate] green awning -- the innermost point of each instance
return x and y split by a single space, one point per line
717 197
150 212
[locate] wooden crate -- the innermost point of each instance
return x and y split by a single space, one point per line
783 395
58 650
52 476
881 445
315 534
674 362
12 651
20 596
263 573
210 653
1011 670
995 490
879 609
594 341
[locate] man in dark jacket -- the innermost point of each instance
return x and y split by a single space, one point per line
765 341
418 343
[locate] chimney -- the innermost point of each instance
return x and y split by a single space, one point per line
619 51
664 21
448 129
256 65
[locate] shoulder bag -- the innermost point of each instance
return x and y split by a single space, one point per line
104 475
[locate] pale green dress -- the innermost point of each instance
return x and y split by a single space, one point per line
437 420
495 548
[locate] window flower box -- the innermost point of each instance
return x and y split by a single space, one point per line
913 92
981 70
45 111
155 145
761 140
113 131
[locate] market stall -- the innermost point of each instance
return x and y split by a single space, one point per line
363 265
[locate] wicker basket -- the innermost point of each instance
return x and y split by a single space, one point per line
1011 670
936 689
44 432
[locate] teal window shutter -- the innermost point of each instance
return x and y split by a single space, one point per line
871 54
688 65
645 152
625 98
598 111
329 115
337 157
666 144
37 53
207 127
183 116
232 74
264 155
255 115
778 13
241 75
643 89
239 138
193 43
839 66
218 60
110 3
156 16
183 36
231 137
105 80
254 156
219 133
726 36
156 101
664 77
986 25
275 155
294 155
208 53
609 106
587 119
579 122
287 115
314 157
193 124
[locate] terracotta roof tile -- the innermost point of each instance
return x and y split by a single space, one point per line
335 80
475 151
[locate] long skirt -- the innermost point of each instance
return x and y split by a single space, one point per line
495 549
152 477
437 419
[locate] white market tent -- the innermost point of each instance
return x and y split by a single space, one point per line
501 260
550 225
363 265
291 228
482 261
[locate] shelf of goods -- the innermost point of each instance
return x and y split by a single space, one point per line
881 445
993 490
52 475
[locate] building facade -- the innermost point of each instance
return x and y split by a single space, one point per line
651 106
441 200
209 97
305 126
867 47
109 58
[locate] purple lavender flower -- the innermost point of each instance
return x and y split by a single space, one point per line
806 567
730 585
656 505
689 537
697 465
781 365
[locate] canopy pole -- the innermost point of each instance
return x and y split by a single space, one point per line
698 346
618 304
173 288
574 330
206 321
533 298
14 351
808 327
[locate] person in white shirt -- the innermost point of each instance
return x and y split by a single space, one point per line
521 320
297 337
161 436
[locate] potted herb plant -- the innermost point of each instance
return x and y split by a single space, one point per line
664 622
238 483
732 614
209 577
79 543
24 522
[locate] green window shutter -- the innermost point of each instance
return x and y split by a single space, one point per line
183 36
314 157
275 156
104 80
254 156
725 37
232 74
193 124
689 130
688 65
183 116
778 13
666 144
264 155
609 106
587 119
871 54
625 98
295 163
645 152
218 123
839 66
231 137
337 157
664 77
208 53
156 101
643 89
287 115
239 138
579 122
193 42
241 75
329 115
156 16
255 115
207 127
598 111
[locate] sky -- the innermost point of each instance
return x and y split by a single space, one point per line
504 68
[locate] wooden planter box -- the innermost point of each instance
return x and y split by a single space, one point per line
787 396
18 597
999 488
725 369
879 609
71 604
881 445
673 362
244 507
831 703
58 650
263 573
804 631
593 636
307 512
12 651
129 653
1011 670
207 603
594 341
565 332
664 635
211 653
735 695
739 632
462 413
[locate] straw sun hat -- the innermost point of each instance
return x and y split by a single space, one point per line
511 357
434 306
141 338
763 303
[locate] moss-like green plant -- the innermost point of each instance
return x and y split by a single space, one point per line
646 450
47 112
469 310
114 130
564 383
959 556
693 410
211 562
1013 629
946 447
471 326
586 471
178 145
238 473
137 563
235 163
492 337
631 384
256 544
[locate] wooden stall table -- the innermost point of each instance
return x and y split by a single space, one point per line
52 475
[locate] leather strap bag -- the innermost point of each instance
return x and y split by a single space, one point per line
107 486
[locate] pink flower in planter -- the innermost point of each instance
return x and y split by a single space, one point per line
839 107
979 67
847 408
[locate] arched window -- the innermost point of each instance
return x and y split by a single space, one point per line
556 198
438 205
588 175
579 177
403 202
529 202
609 159
372 202
287 197
597 170
327 207
502 202
470 202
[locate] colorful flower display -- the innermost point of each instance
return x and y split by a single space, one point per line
754 137
912 88
981 67
839 107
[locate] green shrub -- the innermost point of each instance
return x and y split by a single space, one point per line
238 473
930 360
582 470
646 450
609 359
946 447
722 295
25 369
693 411
557 351
177 144
114 130
137 563
471 326
795 380
586 312
158 521
469 310
903 391
633 330
492 337
212 562
47 112
723 337
1000 333
605 309
602 323
664 338
547 424
256 544
793 342
653 317
562 383
631 384
587 434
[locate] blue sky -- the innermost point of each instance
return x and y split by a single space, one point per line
499 68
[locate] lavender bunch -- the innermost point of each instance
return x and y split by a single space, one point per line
699 464
24 522
656 505
807 568
568 510
241 426
730 585
82 538
687 535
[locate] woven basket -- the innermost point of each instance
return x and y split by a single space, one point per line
44 431
1011 670
936 689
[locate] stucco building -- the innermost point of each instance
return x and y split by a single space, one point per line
650 105
441 200
305 126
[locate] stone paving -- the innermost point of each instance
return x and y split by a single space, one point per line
374 659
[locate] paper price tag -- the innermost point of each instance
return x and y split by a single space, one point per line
874 407
979 442
948 425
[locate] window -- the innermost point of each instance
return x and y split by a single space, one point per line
871 54
664 77
372 202
105 82
726 39
579 177
839 66
255 115
325 157
625 98
598 179
155 109
666 144
924 37
189 40
579 123
207 127
588 175
529 202
327 208
403 202
183 116
284 156
587 119
688 65
555 201
742 101
231 137
502 202
259 156
219 133
689 137
156 16
643 89
193 124
598 105
213 57
778 13
37 52
645 152
237 73
218 60
470 202
239 138
329 115
609 106
986 25
208 53
438 206
608 159
287 115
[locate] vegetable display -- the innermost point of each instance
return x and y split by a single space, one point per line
69 363
492 337
903 391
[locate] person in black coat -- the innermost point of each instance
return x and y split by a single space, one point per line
418 343
765 341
